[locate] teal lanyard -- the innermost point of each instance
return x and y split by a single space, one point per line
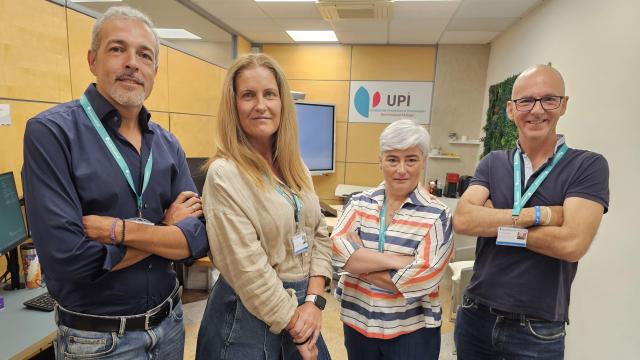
518 200
294 200
116 154
383 226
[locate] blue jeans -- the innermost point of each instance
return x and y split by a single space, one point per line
165 341
481 334
423 344
229 331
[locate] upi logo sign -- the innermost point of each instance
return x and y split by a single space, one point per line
362 100
387 101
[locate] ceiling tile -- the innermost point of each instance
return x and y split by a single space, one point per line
467 37
480 24
425 10
360 37
243 25
303 24
232 10
495 8
360 25
414 25
266 37
306 10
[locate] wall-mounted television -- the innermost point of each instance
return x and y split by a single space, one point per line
317 136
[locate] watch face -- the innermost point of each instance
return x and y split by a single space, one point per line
320 302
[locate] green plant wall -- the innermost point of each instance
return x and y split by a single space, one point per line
500 132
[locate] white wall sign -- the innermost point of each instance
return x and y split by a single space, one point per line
5 114
388 101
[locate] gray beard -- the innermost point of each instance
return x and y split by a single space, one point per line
128 98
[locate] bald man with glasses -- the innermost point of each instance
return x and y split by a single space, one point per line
535 210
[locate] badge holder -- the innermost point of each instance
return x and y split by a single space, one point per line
512 235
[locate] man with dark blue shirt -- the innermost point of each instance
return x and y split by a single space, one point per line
99 178
535 210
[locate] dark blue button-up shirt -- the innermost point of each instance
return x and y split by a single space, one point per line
68 173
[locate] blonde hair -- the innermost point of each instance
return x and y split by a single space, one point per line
233 144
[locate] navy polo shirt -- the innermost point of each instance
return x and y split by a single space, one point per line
517 279
69 173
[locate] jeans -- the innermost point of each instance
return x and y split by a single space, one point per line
165 341
481 334
229 331
423 344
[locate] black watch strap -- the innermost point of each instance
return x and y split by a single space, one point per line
317 300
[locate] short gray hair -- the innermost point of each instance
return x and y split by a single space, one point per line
403 134
126 13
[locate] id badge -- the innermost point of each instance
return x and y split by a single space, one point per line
512 236
299 241
139 220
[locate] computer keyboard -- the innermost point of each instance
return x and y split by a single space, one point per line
42 302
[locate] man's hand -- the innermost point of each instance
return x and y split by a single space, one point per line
98 228
187 204
307 324
308 351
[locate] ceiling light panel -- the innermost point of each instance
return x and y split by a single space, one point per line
312 36
176 34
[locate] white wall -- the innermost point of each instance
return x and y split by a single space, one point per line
596 45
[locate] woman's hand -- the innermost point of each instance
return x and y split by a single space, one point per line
354 238
307 325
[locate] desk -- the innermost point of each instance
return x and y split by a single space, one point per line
24 332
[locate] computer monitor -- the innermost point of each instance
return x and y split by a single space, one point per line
12 228
197 174
317 136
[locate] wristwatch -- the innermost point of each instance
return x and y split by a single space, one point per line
317 300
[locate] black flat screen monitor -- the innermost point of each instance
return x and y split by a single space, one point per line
197 174
12 228
317 136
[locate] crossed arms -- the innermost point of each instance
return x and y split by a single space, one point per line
567 237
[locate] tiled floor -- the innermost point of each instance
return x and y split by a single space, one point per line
331 326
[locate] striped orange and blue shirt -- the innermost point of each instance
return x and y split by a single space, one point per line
420 228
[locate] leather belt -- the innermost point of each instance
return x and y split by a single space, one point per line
508 315
120 324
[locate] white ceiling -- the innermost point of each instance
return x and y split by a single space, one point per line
414 22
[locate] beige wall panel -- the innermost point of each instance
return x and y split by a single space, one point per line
325 185
312 62
363 142
363 174
162 119
159 98
34 58
193 85
244 46
79 43
341 141
396 63
196 133
333 92
11 136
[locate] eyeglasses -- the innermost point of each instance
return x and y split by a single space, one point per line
547 103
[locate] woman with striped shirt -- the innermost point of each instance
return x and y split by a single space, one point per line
392 244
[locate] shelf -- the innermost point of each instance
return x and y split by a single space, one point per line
452 157
465 142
